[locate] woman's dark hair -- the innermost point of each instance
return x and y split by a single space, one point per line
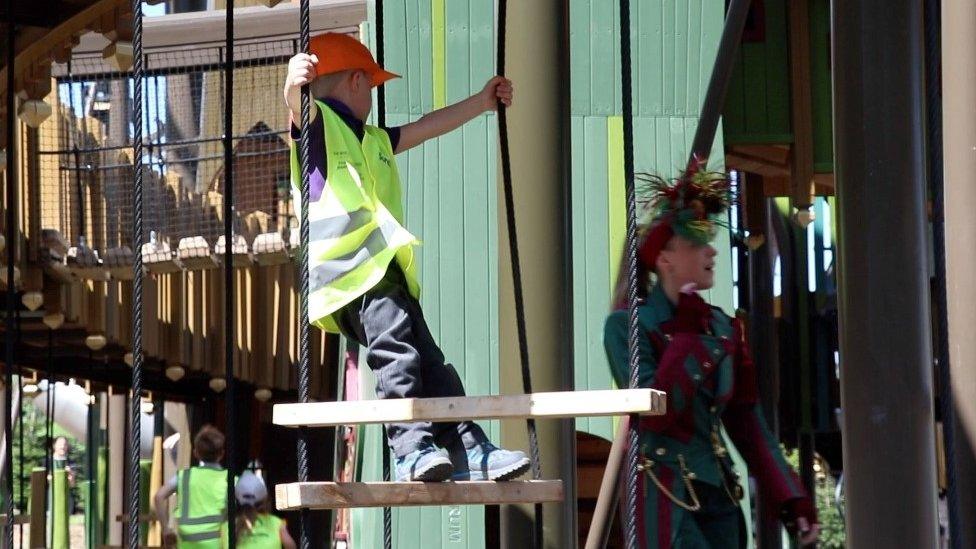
247 516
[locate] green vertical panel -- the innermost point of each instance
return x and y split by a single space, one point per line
438 54
692 99
580 284
492 208
430 268
424 60
667 48
579 46
481 18
414 81
616 195
754 63
644 158
777 69
735 103
475 276
396 58
59 508
823 123
452 338
602 75
681 65
597 259
651 59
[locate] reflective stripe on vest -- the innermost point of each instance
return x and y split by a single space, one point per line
201 504
356 224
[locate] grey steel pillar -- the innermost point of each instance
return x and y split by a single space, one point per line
885 333
959 161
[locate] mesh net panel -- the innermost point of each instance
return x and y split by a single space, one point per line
85 151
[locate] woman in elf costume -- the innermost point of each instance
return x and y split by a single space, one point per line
697 355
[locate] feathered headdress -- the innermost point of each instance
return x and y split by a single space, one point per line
689 206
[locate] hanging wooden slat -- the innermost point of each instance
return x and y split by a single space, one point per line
538 405
340 495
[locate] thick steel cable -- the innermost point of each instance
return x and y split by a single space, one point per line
633 454
381 122
230 394
8 477
135 426
933 97
304 373
516 266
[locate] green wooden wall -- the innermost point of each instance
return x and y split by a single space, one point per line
673 48
821 95
444 49
757 109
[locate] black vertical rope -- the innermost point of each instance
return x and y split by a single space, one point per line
633 454
8 490
304 373
20 451
230 396
516 266
381 122
135 486
933 93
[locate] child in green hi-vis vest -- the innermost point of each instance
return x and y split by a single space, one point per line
361 268
257 528
201 497
688 490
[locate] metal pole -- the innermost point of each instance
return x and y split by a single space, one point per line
718 84
11 235
230 396
959 163
885 329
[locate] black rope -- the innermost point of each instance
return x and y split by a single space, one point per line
138 70
230 396
633 454
20 444
933 92
8 477
381 122
304 373
516 267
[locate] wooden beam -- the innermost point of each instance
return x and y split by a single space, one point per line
342 495
538 405
801 188
38 508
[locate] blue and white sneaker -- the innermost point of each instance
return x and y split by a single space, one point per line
489 462
426 464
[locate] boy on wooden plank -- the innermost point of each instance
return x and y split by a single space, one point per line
362 274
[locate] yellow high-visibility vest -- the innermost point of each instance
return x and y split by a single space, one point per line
356 225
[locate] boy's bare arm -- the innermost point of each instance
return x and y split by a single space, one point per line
449 118
301 71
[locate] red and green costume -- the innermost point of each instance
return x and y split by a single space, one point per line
698 356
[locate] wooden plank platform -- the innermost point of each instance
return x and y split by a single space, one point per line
342 495
538 405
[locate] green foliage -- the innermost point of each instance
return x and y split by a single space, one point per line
832 535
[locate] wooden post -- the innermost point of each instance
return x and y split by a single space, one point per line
38 509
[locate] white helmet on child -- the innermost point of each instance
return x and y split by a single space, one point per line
250 489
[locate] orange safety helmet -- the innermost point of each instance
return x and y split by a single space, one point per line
341 52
